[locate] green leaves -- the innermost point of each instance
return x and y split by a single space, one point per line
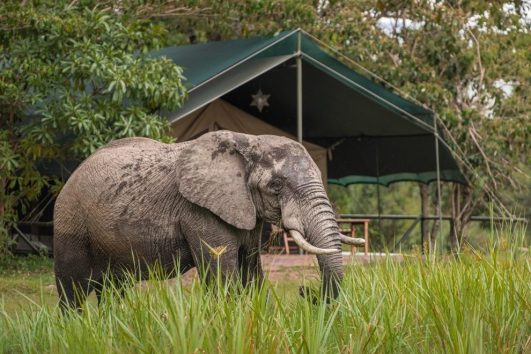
73 78
8 158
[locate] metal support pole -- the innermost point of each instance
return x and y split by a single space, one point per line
439 201
298 59
424 211
378 197
299 89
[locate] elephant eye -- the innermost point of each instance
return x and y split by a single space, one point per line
275 186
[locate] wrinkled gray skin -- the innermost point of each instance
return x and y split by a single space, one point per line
138 201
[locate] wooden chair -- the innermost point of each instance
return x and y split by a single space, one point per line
288 245
350 230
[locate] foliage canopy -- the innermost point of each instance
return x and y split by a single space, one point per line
74 75
73 78
468 61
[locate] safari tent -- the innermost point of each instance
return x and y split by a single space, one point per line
356 130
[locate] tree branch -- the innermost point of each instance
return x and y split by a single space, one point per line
478 52
472 132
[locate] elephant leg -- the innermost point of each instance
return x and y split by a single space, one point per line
217 262
214 245
99 288
250 266
249 257
73 286
72 292
119 287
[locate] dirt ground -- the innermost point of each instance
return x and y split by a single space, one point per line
35 283
281 267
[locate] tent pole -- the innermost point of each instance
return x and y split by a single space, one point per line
379 206
299 88
439 200
298 59
378 197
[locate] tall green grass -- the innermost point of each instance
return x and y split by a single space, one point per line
475 303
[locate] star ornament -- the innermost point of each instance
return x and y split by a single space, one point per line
260 100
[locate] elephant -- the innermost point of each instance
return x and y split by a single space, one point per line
199 203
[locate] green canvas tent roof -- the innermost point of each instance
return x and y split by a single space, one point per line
372 134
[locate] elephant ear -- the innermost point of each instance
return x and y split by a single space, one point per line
211 173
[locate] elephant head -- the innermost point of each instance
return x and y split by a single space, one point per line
241 178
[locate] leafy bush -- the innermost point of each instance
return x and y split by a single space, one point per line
72 78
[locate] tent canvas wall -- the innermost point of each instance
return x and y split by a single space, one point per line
220 115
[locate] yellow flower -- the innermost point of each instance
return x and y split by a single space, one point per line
215 251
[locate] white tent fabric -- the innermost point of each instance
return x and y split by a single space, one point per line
221 115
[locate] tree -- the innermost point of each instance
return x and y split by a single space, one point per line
72 78
468 61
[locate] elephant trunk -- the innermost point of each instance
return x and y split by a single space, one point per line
321 230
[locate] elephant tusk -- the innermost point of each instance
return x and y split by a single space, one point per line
352 240
303 244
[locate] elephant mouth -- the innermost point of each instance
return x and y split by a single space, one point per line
273 216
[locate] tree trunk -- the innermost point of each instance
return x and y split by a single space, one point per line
462 208
3 224
453 242
424 211
436 223
2 201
